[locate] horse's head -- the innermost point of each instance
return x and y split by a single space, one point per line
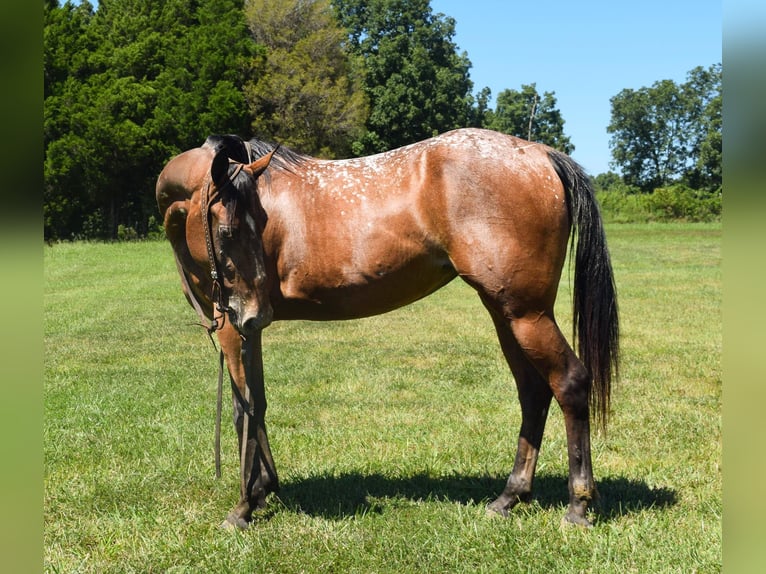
233 222
214 220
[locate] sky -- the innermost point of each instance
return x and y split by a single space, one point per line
585 52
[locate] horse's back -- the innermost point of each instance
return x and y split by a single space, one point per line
484 173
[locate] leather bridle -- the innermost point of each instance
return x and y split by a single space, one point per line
206 201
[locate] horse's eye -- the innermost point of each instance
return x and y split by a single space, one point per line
226 231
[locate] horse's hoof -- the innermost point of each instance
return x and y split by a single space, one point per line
574 520
496 510
234 523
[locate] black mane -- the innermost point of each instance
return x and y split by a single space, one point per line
241 151
284 158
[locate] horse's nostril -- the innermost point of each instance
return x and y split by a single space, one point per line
250 325
255 321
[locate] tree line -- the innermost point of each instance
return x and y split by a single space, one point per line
131 83
670 133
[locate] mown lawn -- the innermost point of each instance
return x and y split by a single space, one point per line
390 434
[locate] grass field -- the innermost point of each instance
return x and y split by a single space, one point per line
390 434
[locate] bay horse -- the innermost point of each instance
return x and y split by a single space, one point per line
261 233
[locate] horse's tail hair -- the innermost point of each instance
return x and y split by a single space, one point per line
595 321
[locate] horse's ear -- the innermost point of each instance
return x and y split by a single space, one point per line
259 165
219 170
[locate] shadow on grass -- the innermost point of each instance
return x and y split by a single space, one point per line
355 493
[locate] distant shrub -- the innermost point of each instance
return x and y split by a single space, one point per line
621 207
155 229
676 202
681 202
126 233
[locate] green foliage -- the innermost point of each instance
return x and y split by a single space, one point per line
126 88
704 92
683 203
308 94
526 115
610 181
416 82
622 204
670 133
648 128
667 141
66 44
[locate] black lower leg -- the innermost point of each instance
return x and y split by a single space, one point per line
582 488
535 398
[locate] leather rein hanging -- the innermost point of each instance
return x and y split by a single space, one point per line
217 300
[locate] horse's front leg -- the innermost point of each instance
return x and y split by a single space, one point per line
258 475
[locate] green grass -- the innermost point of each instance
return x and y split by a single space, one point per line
390 434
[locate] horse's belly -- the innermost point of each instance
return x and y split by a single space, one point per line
353 294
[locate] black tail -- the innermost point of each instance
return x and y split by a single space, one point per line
595 320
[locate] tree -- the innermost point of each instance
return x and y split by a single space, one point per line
525 114
649 125
708 171
66 50
703 93
669 133
308 94
416 82
127 87
480 111
66 46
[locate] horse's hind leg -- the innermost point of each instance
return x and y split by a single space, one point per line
537 341
535 398
547 349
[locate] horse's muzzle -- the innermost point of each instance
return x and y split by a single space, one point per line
250 322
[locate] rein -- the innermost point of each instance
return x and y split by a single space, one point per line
206 200
210 329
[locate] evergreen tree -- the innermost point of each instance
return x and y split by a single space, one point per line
308 93
126 87
66 52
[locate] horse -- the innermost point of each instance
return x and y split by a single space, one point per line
261 233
